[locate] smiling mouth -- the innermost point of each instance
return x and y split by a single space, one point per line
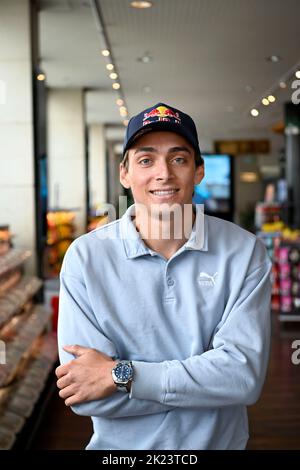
164 192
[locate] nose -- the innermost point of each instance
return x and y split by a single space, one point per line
164 171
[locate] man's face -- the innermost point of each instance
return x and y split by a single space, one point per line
161 170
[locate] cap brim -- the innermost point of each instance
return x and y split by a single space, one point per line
163 126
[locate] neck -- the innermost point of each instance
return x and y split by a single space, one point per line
165 232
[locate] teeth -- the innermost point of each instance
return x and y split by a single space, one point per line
164 192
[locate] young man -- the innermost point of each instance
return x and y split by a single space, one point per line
164 338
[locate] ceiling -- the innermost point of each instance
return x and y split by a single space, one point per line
205 53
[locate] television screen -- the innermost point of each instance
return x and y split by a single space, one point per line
215 190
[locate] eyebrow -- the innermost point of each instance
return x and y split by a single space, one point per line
171 150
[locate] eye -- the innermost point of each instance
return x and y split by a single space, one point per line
179 160
144 161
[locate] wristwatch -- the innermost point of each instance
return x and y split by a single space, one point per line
122 375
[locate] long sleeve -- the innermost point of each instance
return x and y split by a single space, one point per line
78 325
232 371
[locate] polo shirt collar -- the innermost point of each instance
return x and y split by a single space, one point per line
134 246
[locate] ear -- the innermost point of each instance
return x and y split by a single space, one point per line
124 177
199 174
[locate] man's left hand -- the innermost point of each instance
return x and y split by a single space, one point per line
86 378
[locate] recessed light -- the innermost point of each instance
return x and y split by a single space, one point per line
41 77
116 86
113 75
120 102
274 58
146 58
110 66
254 112
265 101
282 84
141 4
271 98
125 122
297 74
105 52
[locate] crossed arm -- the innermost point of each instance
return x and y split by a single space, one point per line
230 373
84 378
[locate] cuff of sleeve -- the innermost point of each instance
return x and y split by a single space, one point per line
148 381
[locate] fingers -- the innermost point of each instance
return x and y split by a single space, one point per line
60 371
73 400
64 381
67 392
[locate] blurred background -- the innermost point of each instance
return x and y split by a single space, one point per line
72 73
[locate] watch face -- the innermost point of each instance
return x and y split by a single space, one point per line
123 372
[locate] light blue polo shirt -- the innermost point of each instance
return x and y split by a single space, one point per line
196 326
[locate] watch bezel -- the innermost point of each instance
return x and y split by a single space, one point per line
116 379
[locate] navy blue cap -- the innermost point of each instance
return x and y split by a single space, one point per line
161 117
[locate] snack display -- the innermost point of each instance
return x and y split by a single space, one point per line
60 235
284 250
5 239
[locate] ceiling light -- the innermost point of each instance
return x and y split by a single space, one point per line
110 66
282 84
146 58
125 122
105 52
113 75
297 74
254 112
141 4
265 101
271 98
41 77
123 109
273 58
120 102
116 86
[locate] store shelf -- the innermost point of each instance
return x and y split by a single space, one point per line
23 332
287 317
12 302
13 259
18 400
28 350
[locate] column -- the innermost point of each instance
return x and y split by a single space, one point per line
66 148
97 165
17 190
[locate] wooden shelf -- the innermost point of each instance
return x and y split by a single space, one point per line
289 317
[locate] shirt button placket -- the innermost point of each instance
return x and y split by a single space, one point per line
169 296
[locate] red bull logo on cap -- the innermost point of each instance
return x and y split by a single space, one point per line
161 113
